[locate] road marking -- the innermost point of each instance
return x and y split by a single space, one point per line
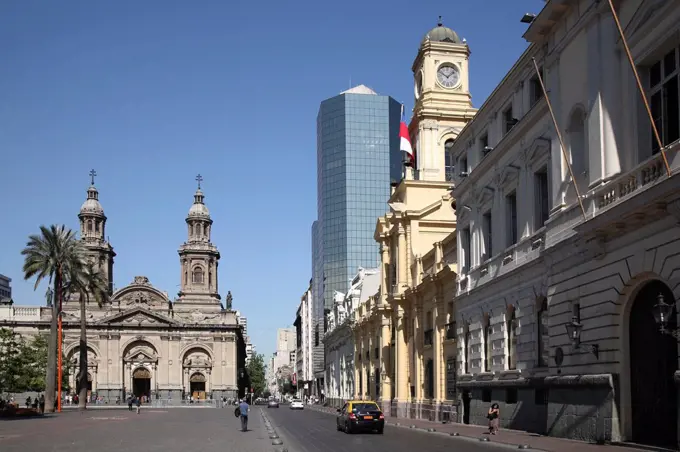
114 418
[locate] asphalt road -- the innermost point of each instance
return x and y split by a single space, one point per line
314 431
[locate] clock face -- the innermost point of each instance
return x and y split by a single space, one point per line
448 75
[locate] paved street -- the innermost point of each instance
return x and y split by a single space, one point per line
172 430
313 431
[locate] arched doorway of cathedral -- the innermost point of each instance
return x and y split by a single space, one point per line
141 382
653 361
197 371
197 386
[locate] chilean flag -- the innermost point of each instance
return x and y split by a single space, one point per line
405 140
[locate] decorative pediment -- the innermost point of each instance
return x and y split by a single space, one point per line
644 14
485 196
538 149
508 175
140 293
140 355
137 316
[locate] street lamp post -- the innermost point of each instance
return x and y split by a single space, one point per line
662 312
574 329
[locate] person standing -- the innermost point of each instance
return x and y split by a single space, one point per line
244 408
138 402
494 418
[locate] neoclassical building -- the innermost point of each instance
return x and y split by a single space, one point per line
568 319
141 341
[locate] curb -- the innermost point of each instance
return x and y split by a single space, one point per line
277 442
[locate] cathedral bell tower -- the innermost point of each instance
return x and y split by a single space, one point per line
198 257
443 105
93 233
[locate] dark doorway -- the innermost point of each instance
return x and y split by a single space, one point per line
197 386
429 378
653 361
141 382
89 385
466 406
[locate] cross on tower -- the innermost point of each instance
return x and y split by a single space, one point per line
93 174
199 179
439 22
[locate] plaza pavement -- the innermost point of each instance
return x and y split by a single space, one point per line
171 430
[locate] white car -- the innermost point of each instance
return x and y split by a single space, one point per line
297 405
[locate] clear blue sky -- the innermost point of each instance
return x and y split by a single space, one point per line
150 93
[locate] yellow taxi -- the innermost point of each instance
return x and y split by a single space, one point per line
360 415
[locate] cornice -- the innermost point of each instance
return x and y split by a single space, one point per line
446 48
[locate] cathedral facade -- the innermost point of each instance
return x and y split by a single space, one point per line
140 341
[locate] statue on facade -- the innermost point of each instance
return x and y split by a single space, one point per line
230 299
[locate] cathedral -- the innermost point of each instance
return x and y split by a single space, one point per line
140 341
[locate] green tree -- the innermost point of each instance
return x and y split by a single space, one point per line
34 353
50 255
11 361
256 372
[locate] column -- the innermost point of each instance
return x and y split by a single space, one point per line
402 361
402 258
94 380
357 365
385 389
418 344
385 270
437 354
208 382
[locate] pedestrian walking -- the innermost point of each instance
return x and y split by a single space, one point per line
139 404
244 408
494 418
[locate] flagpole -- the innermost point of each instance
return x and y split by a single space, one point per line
559 136
640 88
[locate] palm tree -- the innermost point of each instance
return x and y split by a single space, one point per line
50 255
89 281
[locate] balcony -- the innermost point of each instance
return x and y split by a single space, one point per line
450 330
428 337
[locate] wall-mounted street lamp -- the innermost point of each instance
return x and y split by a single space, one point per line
662 313
574 329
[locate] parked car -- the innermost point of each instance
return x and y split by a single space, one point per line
297 404
357 415
273 404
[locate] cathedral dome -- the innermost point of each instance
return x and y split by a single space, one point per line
198 208
91 204
440 33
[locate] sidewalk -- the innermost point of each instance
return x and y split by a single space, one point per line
517 438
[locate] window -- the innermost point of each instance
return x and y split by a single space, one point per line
484 144
89 225
487 233
465 247
511 395
429 379
535 90
486 395
577 143
466 351
509 120
449 160
197 276
511 216
316 336
542 205
512 339
542 326
665 99
487 347
464 170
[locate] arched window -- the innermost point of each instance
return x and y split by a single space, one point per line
89 226
197 275
186 277
449 160
542 326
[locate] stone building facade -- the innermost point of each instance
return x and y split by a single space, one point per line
556 309
140 341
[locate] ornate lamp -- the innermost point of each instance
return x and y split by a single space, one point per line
662 312
574 329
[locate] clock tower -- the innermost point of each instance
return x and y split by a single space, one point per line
443 105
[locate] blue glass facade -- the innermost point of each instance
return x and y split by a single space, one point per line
357 158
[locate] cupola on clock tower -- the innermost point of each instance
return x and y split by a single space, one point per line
199 257
443 104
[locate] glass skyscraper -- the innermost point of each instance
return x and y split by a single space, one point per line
358 158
